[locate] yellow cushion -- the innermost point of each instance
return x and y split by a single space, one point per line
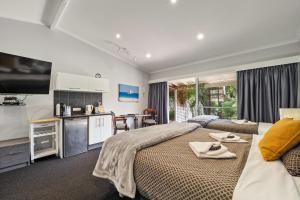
281 137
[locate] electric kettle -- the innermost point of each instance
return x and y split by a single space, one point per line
89 109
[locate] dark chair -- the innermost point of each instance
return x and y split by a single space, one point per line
150 119
120 123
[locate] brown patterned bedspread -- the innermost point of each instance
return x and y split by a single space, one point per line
228 125
170 170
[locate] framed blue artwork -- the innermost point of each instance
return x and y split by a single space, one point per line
128 93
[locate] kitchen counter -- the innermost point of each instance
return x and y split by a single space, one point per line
83 115
79 133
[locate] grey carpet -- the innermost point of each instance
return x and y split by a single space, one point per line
57 179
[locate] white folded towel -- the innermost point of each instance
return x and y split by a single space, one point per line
223 137
202 150
226 154
243 121
204 147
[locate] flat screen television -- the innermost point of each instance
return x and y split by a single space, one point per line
20 75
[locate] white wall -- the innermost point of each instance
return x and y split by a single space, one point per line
228 64
67 55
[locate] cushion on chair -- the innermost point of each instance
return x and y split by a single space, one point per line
120 125
149 121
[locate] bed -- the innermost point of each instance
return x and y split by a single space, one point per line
235 126
230 126
163 171
158 163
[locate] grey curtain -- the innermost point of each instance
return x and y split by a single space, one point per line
261 92
158 99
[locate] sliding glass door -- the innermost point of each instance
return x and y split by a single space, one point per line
218 99
214 95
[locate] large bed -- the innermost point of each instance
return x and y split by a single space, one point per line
230 126
157 163
170 170
236 126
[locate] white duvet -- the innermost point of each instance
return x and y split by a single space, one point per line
262 180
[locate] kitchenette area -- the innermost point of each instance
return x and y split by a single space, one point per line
83 124
80 133
80 123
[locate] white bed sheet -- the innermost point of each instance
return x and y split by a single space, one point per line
262 180
297 182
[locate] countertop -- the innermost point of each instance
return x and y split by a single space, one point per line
13 142
82 115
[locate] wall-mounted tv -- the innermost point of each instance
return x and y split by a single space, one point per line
20 75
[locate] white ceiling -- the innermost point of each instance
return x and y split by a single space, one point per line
167 31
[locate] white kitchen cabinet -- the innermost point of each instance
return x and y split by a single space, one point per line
107 126
94 130
100 128
74 82
99 84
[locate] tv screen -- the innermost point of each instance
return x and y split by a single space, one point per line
20 75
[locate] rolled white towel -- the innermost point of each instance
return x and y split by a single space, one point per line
223 137
243 121
202 151
251 123
239 121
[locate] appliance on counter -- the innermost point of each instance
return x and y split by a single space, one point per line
60 109
75 136
89 109
77 111
63 110
21 75
67 111
100 108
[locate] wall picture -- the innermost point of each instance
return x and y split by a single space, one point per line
128 93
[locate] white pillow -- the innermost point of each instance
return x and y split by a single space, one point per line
289 113
205 117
